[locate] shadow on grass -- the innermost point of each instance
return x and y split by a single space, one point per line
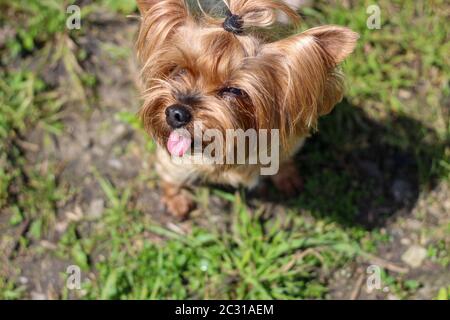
359 172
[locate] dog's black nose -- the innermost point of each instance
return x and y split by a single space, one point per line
177 116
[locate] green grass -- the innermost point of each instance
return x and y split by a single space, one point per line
9 290
401 70
398 87
257 258
26 190
444 294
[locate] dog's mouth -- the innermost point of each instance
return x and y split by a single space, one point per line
178 143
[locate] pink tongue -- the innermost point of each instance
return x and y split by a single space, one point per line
178 144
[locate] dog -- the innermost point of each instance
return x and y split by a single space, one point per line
219 71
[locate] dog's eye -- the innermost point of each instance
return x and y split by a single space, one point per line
178 72
232 91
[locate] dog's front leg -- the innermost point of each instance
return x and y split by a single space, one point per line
177 199
174 186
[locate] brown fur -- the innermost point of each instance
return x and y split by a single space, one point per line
288 83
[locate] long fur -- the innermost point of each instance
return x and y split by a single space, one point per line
288 84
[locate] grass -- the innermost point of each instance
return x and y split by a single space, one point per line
389 67
9 290
396 109
25 103
258 258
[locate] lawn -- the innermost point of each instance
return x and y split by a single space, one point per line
78 186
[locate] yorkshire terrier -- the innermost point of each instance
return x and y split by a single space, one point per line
222 72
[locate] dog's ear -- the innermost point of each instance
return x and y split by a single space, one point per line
160 19
306 69
338 42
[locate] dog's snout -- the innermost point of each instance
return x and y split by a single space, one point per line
178 116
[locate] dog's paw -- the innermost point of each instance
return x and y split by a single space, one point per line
288 181
178 202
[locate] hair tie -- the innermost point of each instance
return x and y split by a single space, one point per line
233 23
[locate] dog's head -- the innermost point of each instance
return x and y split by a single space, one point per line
217 71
